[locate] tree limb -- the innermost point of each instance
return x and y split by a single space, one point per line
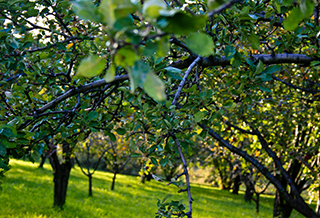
265 58
222 8
296 204
177 95
81 89
185 170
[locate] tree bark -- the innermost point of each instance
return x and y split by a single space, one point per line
249 188
61 173
43 159
90 184
113 180
236 185
257 202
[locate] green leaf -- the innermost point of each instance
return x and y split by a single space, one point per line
8 144
154 87
167 123
272 69
111 72
265 89
121 131
288 2
199 116
87 10
266 75
151 8
307 7
293 20
112 136
229 51
228 103
107 9
124 8
3 150
125 57
92 115
212 4
181 23
260 67
200 44
166 197
91 66
136 155
254 41
154 161
173 72
236 60
164 162
138 74
3 165
32 12
123 24
8 131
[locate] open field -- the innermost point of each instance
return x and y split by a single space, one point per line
28 192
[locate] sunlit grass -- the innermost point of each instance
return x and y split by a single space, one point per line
28 192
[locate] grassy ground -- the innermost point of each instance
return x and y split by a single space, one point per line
28 192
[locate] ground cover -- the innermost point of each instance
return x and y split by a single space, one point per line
28 192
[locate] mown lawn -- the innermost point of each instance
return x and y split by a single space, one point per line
28 192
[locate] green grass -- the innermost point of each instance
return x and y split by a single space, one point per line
28 192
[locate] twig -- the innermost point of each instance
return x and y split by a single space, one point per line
294 86
177 95
222 8
186 173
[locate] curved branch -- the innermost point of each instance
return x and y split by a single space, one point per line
186 173
177 95
312 91
78 162
222 8
265 58
70 93
81 89
297 203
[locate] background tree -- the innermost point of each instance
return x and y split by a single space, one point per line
94 145
118 156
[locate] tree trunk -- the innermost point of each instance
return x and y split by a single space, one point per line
281 209
113 180
257 202
61 177
236 185
249 187
90 184
43 159
61 173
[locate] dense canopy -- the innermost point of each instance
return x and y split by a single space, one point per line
173 77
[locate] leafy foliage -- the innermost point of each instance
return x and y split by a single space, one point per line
174 74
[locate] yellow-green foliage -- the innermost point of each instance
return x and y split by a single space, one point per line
28 192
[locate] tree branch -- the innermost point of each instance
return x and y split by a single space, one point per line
265 58
312 91
186 173
222 8
81 89
177 95
296 204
